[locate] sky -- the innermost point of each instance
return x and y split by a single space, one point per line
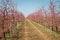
29 6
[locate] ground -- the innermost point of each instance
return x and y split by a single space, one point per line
30 30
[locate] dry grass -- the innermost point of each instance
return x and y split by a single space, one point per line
50 34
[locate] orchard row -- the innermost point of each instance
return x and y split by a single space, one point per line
49 18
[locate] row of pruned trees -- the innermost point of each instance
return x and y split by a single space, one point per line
9 17
50 18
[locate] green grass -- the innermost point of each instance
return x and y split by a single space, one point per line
49 32
19 24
